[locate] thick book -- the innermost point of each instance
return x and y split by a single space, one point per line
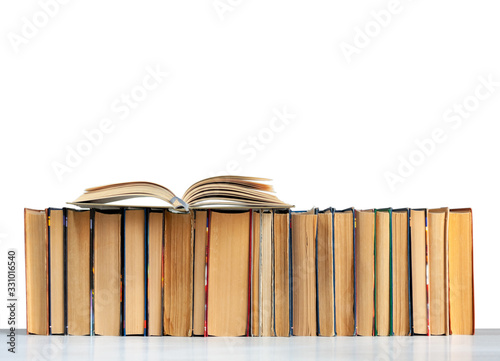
401 289
325 274
438 271
461 272
78 272
282 277
155 272
224 191
55 225
256 265
262 275
383 272
304 307
178 274
108 270
344 272
365 272
134 277
37 271
266 279
418 241
228 267
199 272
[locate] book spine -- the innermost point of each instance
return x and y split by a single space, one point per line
49 259
207 252
427 273
92 272
410 285
318 331
273 287
333 260
354 269
123 289
146 269
65 268
249 299
290 271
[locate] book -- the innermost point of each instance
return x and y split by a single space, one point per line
199 273
228 267
266 278
325 274
365 272
461 272
262 275
383 272
401 300
178 275
282 276
107 247
55 225
255 289
438 271
418 229
37 268
344 271
134 277
78 272
155 272
223 191
304 231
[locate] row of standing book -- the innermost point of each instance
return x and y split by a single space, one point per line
154 272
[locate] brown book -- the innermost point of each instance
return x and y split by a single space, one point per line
438 271
400 276
266 299
344 272
78 271
461 274
155 262
107 272
282 274
178 275
200 245
262 277
382 273
365 272
255 281
134 290
326 316
304 226
37 282
55 223
228 274
418 240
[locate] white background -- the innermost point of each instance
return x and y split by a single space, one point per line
228 73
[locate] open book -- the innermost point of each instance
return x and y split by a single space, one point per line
222 191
